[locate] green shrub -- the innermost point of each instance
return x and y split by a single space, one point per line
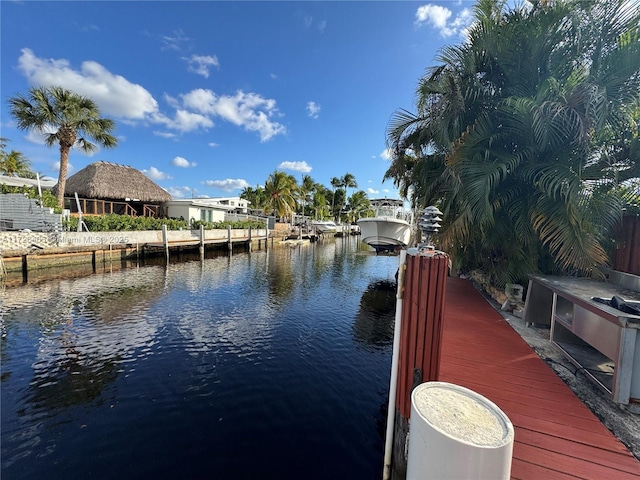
116 223
48 199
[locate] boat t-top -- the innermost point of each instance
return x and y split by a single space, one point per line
390 228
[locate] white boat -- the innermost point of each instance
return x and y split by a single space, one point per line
391 227
324 226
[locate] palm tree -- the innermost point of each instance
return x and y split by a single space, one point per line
514 134
256 196
348 181
335 183
75 119
306 186
14 163
320 204
359 204
279 189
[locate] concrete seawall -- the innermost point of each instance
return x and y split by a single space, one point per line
22 251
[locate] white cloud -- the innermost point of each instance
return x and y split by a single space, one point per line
228 185
182 162
310 22
386 154
165 134
386 190
154 174
181 192
313 109
201 64
440 18
212 144
55 167
175 41
118 97
183 120
302 167
114 94
248 110
372 191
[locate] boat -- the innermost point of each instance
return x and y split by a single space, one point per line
324 226
389 229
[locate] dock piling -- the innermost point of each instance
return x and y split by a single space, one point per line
165 241
201 242
419 343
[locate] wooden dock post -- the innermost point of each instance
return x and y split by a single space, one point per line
229 243
420 339
201 242
165 241
25 269
249 238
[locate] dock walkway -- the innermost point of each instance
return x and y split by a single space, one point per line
556 435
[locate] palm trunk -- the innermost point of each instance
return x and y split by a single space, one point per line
62 176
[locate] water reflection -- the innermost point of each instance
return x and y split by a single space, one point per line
179 370
85 331
373 325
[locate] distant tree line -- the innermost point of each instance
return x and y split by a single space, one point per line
283 196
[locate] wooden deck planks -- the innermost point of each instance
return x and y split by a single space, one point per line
556 435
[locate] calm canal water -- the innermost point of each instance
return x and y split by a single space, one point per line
273 364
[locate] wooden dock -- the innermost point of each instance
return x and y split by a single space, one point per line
556 435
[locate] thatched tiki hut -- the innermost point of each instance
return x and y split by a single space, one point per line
104 187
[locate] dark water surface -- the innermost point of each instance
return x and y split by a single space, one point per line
273 364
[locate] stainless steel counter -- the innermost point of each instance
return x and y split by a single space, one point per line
603 342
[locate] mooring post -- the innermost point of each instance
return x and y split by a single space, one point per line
165 241
417 336
201 242
249 238
229 238
25 269
420 339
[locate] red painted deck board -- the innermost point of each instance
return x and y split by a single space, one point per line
556 435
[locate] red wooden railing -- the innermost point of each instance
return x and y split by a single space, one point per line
91 206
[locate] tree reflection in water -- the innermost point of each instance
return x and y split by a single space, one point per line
373 326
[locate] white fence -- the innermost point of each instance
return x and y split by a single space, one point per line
27 240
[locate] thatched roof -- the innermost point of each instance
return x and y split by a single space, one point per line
109 181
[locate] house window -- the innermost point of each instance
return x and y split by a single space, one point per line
203 215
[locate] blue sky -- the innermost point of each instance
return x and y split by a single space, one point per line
210 97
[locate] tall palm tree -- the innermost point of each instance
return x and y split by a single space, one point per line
279 189
348 181
335 183
75 119
307 185
508 138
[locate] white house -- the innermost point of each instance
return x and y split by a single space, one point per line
237 204
205 209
